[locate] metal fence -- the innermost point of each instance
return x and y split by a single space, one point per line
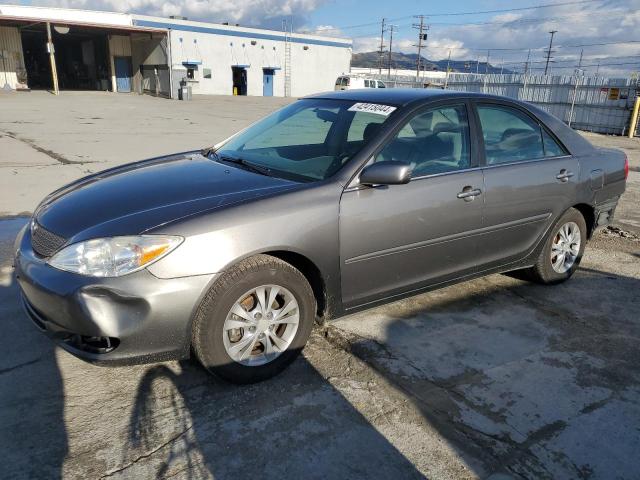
595 104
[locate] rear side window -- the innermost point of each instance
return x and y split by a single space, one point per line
381 84
551 147
509 135
366 83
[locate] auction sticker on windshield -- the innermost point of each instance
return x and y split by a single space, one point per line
372 108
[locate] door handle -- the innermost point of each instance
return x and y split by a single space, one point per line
564 175
468 193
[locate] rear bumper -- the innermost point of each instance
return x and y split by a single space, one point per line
137 318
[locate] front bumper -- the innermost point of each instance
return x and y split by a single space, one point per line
136 318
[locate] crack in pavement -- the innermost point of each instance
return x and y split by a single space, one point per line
519 454
146 455
20 365
50 153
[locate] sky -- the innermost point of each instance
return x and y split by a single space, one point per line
503 30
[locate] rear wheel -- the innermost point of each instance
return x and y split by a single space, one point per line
254 321
562 251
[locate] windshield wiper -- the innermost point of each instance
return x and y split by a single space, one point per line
211 151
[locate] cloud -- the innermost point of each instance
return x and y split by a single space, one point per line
262 13
592 23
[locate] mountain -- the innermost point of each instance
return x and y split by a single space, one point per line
407 61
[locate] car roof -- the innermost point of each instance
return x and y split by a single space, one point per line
401 96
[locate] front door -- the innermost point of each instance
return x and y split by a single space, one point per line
267 82
530 179
123 74
397 238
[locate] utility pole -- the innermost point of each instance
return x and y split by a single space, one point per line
580 61
422 37
486 67
52 59
477 63
381 51
391 29
526 64
446 79
549 52
501 65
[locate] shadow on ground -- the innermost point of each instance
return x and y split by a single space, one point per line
494 375
538 382
33 436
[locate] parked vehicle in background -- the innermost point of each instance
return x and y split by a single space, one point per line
348 82
336 203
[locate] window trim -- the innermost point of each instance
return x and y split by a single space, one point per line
475 103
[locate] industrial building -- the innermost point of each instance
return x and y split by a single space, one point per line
65 49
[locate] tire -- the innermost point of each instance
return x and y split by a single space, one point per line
257 277
543 271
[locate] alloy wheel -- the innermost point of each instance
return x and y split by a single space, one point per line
565 247
261 325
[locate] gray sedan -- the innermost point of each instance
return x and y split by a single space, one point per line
335 203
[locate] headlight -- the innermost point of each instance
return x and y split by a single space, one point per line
113 257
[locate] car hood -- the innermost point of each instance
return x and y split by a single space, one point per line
134 198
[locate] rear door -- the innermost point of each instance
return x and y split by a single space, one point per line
401 237
529 178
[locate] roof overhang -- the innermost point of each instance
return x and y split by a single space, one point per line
105 26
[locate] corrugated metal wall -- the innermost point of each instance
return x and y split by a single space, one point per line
601 105
12 71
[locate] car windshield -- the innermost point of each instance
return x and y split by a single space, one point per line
307 141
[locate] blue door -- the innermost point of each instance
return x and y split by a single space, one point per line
267 82
123 74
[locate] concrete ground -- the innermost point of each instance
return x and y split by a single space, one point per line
494 377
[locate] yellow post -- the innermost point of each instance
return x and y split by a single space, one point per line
52 58
634 118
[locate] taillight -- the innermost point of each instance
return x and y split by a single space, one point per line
626 167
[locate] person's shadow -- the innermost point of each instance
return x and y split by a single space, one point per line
33 437
297 425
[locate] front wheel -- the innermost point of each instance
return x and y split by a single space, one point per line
254 321
563 249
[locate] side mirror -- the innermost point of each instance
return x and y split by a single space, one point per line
388 172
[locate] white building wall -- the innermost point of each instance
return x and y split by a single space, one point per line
313 70
316 69
218 54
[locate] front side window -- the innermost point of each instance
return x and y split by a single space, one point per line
308 140
509 135
433 141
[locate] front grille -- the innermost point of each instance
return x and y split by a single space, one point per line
44 242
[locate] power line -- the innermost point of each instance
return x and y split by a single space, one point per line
505 10
483 12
